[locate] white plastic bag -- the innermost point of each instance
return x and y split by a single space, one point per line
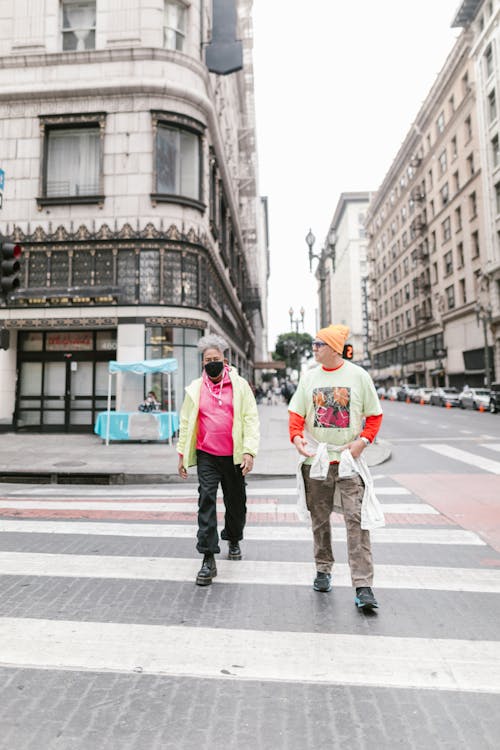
372 515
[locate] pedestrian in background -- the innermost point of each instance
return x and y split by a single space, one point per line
219 433
331 402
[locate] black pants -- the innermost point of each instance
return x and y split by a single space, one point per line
212 471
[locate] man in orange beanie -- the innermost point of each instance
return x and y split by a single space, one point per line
331 402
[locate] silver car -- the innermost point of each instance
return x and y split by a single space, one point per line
474 398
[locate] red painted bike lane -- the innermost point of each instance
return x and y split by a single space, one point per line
472 501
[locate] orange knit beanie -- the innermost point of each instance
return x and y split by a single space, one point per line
334 336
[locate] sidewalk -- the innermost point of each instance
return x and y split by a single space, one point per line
85 458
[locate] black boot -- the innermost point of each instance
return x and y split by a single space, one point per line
234 551
207 571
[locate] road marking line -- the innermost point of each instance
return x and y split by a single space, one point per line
439 664
144 492
465 457
491 446
245 571
186 507
264 533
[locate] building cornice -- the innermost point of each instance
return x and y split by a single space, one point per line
99 56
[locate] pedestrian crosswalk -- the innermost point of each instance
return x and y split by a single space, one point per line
279 656
260 621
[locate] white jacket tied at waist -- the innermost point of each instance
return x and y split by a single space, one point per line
372 516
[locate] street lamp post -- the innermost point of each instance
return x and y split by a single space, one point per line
483 315
296 322
326 252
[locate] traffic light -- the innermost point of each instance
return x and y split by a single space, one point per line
10 267
348 352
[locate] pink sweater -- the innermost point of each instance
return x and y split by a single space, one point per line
215 420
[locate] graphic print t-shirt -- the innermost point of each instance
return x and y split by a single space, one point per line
334 403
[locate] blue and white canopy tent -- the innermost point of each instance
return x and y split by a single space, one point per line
144 367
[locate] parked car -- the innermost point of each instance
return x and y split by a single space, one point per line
473 398
392 393
494 404
406 391
443 396
422 394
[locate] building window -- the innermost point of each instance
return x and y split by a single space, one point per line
73 162
71 168
495 153
443 162
470 165
444 194
460 255
465 84
446 225
175 25
448 263
473 205
451 102
492 106
463 293
468 128
488 61
450 297
178 159
440 124
458 219
456 181
475 244
497 197
454 152
78 25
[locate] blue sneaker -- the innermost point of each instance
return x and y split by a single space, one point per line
364 598
322 582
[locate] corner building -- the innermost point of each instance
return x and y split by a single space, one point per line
131 183
428 241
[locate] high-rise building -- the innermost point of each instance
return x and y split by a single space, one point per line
131 184
481 19
346 271
428 231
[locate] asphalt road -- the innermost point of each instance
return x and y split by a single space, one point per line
105 641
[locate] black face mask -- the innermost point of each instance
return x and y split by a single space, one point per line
214 369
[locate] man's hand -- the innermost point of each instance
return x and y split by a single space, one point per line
301 444
246 465
181 468
356 447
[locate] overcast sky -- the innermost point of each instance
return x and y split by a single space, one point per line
338 84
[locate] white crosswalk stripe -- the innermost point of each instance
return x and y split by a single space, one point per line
491 446
164 492
186 507
286 656
244 571
486 464
256 533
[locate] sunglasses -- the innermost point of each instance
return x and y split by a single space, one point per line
318 344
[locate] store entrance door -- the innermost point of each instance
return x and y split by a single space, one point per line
63 391
67 393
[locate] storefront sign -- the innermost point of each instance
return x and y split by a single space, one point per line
70 340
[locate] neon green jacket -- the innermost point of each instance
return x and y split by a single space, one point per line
246 431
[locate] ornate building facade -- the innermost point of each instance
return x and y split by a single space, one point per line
131 184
